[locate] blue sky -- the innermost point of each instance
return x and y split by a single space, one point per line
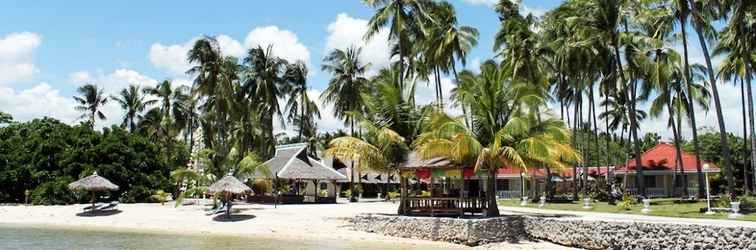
48 48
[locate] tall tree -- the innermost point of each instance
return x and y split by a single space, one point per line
265 85
345 88
301 110
404 19
133 102
90 102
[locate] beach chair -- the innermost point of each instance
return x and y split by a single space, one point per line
93 207
111 206
218 210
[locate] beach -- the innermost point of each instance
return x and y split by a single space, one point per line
291 222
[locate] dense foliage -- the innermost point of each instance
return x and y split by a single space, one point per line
44 155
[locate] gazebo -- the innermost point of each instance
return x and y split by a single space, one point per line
447 184
312 181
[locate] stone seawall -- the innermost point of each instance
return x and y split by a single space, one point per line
565 231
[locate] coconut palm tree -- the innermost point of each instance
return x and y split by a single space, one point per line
301 110
90 102
737 41
704 13
133 102
522 142
445 43
170 102
345 88
265 84
404 19
386 103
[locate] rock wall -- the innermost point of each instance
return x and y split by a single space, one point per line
469 232
638 235
565 231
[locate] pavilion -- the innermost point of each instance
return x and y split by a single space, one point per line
447 184
309 179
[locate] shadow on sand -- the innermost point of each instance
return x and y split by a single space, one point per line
233 217
98 213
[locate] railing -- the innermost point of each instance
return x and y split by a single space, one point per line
651 192
444 206
507 194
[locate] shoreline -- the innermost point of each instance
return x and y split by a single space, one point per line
289 222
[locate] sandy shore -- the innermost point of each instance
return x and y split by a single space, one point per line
318 222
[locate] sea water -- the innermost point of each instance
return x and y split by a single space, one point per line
15 237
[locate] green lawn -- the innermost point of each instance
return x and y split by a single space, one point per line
659 207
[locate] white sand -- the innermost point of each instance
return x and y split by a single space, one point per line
317 222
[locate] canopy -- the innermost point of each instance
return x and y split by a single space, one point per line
229 184
93 183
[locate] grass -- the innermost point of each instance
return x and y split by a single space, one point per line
659 207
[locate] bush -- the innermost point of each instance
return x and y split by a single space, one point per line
394 195
261 187
54 192
136 193
346 193
626 203
425 194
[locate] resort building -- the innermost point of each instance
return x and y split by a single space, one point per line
372 183
659 169
305 179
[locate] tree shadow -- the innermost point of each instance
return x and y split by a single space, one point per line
233 217
98 213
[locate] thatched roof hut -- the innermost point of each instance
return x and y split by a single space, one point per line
292 162
229 184
93 183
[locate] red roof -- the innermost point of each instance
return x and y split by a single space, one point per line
662 157
515 172
592 171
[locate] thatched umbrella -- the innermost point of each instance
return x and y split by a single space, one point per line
229 185
93 183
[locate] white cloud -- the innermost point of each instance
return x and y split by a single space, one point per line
16 50
79 77
36 102
348 31
285 43
171 57
481 2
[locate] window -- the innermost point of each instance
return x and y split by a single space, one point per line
502 184
323 186
649 180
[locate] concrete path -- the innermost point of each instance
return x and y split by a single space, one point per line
598 216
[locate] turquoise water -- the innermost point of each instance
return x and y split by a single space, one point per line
41 238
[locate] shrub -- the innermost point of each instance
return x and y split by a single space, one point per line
394 195
626 203
346 193
54 192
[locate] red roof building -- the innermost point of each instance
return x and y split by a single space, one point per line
662 158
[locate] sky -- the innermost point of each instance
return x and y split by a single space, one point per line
49 48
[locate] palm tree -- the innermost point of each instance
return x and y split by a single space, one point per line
404 19
133 102
445 43
301 109
737 41
345 88
386 103
265 84
703 14
170 102
522 142
90 102
5 118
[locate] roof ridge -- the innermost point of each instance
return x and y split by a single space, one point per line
286 166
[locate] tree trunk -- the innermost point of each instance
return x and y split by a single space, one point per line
745 132
726 158
692 113
750 120
352 197
630 92
676 135
596 135
574 145
493 208
679 153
